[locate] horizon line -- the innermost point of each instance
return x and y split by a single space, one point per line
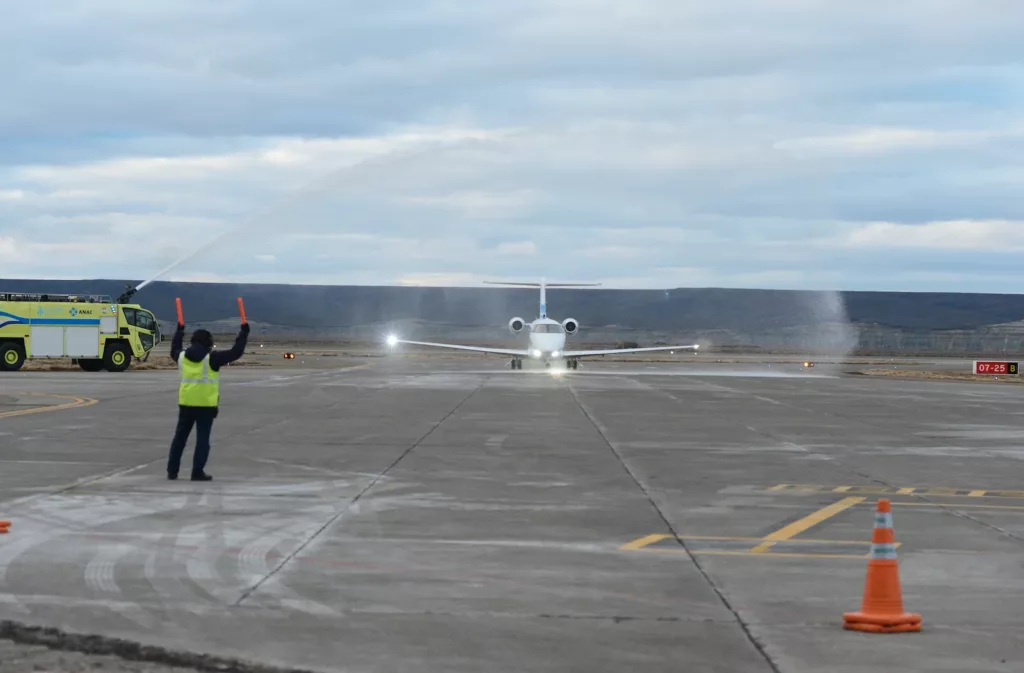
483 285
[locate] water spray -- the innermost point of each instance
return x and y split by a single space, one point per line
320 184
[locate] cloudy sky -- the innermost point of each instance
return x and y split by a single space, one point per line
651 143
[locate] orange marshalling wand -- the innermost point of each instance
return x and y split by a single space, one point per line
4 527
181 317
241 310
882 606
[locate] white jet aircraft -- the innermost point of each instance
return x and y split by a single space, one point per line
547 337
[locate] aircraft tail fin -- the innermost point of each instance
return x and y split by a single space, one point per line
543 285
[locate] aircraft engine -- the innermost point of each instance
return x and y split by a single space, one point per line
516 325
570 325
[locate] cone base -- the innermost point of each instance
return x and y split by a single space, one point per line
905 623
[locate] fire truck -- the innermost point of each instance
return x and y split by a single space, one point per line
95 332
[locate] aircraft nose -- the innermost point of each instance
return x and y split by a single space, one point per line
548 342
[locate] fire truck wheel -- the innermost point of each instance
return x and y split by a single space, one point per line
12 357
117 358
91 365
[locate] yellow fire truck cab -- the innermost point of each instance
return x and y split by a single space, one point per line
92 330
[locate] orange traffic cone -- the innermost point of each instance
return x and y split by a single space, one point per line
882 606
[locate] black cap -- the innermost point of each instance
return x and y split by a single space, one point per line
203 338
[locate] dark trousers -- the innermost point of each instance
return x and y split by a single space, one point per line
202 418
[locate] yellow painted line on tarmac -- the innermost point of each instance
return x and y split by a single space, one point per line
779 554
788 533
636 545
644 543
75 403
750 553
806 523
800 541
651 539
716 538
955 505
873 490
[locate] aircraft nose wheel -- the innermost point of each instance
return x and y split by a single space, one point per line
516 363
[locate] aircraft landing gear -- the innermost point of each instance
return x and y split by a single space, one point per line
572 364
516 363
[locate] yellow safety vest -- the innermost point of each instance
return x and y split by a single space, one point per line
200 385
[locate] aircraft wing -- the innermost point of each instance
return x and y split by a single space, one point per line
475 349
622 351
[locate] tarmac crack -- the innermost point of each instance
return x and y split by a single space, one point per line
719 592
337 515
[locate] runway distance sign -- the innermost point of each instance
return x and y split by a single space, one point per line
993 367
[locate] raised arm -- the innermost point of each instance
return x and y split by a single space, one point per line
176 342
219 359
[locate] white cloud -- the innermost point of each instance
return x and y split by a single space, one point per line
965 235
882 141
8 248
652 143
480 204
284 154
518 249
613 252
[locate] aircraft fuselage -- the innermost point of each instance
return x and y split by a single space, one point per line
547 339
